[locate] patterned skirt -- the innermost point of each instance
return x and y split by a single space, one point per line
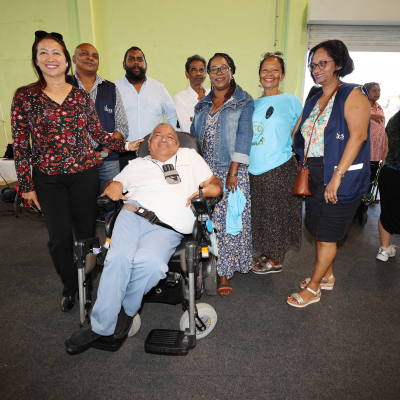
234 252
275 212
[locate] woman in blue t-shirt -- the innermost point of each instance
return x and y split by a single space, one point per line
275 212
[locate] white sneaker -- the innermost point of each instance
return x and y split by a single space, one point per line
385 253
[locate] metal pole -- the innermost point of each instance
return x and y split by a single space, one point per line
4 124
276 23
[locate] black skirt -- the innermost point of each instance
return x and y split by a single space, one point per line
389 189
328 222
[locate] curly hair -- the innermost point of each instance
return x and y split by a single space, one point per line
232 66
337 50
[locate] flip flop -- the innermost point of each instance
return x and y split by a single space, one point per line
224 288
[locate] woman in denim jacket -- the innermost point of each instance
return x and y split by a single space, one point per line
223 125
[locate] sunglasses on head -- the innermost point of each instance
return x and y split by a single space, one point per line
274 54
41 34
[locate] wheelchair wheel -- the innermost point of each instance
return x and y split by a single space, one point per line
211 281
207 314
135 325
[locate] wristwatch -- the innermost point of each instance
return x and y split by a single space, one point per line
104 153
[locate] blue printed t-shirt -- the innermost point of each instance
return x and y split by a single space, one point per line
274 119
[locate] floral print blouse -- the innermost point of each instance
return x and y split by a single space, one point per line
377 135
58 132
317 140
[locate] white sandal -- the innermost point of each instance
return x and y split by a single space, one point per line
324 284
300 301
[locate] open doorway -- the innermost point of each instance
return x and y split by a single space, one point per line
381 67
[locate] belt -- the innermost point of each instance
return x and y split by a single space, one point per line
146 214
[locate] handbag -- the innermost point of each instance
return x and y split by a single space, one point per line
302 184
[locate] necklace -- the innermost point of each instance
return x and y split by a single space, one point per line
156 163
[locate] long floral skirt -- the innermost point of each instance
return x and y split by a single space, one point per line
234 252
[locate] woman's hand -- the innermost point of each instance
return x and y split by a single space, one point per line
377 118
231 183
332 188
133 146
31 197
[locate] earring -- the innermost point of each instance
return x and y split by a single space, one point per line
67 65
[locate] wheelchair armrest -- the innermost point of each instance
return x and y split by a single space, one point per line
103 200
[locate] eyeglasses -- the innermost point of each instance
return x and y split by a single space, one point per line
223 70
321 65
40 34
274 54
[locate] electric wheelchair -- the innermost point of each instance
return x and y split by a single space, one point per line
192 271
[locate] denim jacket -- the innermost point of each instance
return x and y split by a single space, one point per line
234 128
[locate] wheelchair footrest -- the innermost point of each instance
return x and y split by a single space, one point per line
109 343
167 341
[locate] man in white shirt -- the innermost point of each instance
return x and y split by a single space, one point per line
145 100
139 252
185 101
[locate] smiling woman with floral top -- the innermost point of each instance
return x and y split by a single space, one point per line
334 130
64 182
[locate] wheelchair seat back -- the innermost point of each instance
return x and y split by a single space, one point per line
186 140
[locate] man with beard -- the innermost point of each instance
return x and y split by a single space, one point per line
145 100
109 107
185 101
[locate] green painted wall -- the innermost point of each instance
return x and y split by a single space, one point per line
167 31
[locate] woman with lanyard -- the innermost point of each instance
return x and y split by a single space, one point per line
275 212
332 138
64 182
222 124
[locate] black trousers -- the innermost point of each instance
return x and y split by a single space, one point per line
69 204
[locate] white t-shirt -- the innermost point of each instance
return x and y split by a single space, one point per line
185 102
144 181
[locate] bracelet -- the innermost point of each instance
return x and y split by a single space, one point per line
127 146
229 174
340 172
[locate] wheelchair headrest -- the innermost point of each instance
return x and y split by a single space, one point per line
186 140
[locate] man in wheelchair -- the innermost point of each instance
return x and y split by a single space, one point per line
158 188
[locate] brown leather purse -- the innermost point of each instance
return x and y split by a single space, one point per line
302 184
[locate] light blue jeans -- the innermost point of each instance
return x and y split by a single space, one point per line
108 170
136 261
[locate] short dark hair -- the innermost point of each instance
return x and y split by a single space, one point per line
280 59
337 50
196 57
370 85
134 48
227 58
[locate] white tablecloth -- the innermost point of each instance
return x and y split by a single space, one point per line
7 170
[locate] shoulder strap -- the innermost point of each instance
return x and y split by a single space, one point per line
316 119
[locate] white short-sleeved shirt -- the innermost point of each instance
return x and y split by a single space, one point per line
185 102
144 181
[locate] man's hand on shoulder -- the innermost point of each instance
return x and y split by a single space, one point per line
113 190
